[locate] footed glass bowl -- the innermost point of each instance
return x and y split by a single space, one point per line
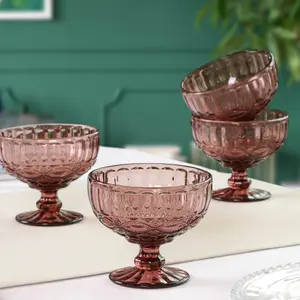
233 88
149 205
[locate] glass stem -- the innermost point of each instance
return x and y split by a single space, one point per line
49 202
149 258
239 180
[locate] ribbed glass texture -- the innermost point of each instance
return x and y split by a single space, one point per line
241 145
50 154
149 204
48 157
234 87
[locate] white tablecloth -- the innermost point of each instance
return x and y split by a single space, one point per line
211 279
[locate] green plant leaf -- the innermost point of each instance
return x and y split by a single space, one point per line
235 43
222 8
273 47
266 4
203 12
272 24
253 39
284 33
244 12
294 9
293 61
18 3
215 18
249 17
274 15
229 35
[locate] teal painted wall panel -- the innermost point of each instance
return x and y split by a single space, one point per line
112 24
74 66
118 65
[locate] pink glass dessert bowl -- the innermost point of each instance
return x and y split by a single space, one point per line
239 146
232 88
149 205
48 157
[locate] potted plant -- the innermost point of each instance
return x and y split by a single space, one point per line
253 24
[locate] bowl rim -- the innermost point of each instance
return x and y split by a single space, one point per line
96 132
93 180
269 66
285 116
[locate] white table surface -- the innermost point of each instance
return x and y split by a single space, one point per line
210 278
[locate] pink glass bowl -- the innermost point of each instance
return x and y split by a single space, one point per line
239 146
149 204
48 157
232 88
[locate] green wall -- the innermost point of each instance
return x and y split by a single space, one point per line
117 64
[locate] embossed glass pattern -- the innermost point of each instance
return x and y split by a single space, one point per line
149 204
275 283
48 157
234 87
239 146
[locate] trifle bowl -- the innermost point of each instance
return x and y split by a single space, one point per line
239 146
48 157
235 87
149 205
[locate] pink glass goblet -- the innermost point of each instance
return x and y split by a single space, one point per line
48 157
149 204
239 146
232 88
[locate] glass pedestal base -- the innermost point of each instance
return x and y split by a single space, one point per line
49 218
149 279
240 195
